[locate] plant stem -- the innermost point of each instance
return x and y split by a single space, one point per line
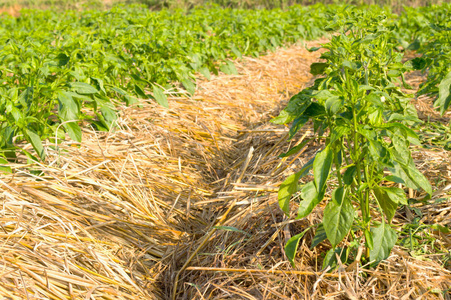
337 167
362 197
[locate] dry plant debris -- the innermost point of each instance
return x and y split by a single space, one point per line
119 215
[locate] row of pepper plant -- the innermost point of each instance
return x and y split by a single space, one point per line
427 30
59 70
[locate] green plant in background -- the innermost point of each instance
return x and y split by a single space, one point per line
363 118
59 69
189 4
436 58
427 30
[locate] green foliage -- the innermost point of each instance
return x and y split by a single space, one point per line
338 216
292 244
288 188
321 168
189 4
384 238
60 69
444 94
428 30
357 105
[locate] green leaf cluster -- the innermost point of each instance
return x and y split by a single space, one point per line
357 105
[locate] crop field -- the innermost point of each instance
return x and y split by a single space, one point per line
81 61
225 150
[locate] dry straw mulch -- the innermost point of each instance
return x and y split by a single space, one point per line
184 200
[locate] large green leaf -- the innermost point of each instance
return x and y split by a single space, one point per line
100 84
284 117
384 238
321 168
307 167
298 123
402 148
320 236
418 63
83 88
323 95
189 85
206 72
318 68
295 109
35 141
229 68
396 194
236 52
337 132
160 96
349 174
419 179
444 94
286 190
310 199
292 244
109 115
315 110
378 151
140 92
4 166
415 45
338 216
386 203
403 131
411 176
73 130
69 108
333 105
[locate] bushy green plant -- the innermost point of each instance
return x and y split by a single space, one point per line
363 117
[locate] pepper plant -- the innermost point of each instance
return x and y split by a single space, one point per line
436 58
363 117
